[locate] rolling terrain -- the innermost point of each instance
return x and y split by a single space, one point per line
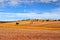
30 30
27 24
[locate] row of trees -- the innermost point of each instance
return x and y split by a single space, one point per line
37 20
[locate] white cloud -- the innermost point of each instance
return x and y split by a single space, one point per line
40 16
13 2
17 2
2 1
2 4
54 14
47 1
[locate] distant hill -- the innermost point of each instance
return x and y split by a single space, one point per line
29 20
6 21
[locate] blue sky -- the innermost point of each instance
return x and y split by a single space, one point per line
29 9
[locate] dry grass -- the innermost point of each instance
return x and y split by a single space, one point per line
35 25
21 34
26 30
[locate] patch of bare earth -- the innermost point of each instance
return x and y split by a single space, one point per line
24 34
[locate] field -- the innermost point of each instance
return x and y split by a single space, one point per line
30 30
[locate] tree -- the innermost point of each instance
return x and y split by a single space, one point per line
17 23
58 19
47 20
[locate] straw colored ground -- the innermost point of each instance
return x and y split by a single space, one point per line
28 24
28 30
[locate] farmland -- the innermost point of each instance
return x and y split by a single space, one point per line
26 30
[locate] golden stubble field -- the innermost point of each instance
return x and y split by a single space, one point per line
26 30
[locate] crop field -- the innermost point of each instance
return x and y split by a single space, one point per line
30 31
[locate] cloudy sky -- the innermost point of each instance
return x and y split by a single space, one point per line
29 9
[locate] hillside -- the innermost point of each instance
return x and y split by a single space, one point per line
31 24
30 30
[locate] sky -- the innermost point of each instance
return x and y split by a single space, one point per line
29 9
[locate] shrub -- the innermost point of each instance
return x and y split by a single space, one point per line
17 23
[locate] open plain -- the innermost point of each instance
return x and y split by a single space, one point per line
27 30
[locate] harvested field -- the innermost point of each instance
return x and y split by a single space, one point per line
38 30
35 25
24 34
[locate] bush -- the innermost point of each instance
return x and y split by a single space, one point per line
47 20
17 23
58 19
